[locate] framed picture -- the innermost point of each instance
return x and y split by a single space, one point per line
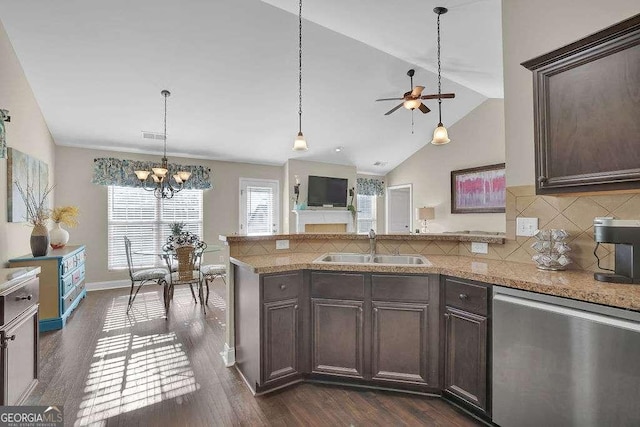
30 173
478 190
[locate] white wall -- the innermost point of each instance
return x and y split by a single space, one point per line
26 132
74 169
303 169
476 140
532 28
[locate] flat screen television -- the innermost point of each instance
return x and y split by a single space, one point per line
324 190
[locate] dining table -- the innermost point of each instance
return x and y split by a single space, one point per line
168 256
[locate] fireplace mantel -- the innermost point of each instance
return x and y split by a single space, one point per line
324 216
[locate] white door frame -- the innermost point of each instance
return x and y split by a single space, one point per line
386 205
242 227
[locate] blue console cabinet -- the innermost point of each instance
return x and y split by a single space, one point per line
62 284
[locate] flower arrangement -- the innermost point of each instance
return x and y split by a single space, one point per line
176 228
36 204
66 215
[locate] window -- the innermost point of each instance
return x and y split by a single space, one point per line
367 206
259 201
137 214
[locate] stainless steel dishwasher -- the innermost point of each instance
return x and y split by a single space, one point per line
561 362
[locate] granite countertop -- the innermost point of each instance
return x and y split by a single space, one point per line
455 237
575 284
9 277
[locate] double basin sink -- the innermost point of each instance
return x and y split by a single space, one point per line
346 258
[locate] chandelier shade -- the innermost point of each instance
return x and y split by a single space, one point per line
440 134
163 184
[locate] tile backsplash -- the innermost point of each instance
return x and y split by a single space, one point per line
574 214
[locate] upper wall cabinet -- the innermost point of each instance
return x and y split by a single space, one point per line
587 113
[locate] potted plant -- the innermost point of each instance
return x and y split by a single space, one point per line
176 228
58 236
37 215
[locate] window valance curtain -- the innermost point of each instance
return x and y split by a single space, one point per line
370 187
111 171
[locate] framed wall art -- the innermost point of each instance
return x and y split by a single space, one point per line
479 190
30 173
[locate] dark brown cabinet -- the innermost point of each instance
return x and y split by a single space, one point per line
466 355
281 339
18 335
400 342
586 113
337 337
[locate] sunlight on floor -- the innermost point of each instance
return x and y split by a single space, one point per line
132 371
147 306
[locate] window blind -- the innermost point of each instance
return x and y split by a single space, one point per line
145 220
367 206
259 210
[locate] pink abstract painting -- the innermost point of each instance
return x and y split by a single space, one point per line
478 190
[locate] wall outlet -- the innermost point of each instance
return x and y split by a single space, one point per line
479 248
221 258
526 226
282 244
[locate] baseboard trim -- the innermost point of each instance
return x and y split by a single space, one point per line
228 355
112 284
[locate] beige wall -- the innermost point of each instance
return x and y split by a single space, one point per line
26 132
303 169
73 174
476 140
531 28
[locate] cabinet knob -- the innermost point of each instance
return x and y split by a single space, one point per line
542 179
25 297
447 315
7 339
463 296
375 309
295 307
283 287
360 309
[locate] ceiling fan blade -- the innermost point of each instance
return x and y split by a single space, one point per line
424 108
393 109
389 99
417 91
436 96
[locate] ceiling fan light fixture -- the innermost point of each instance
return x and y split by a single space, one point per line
440 135
412 104
300 144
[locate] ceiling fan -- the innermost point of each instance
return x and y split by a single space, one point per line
413 98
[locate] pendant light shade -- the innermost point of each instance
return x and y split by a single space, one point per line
300 144
411 104
440 134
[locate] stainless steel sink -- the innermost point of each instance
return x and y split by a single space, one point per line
346 258
401 259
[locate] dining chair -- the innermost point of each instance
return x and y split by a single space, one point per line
189 258
210 272
141 277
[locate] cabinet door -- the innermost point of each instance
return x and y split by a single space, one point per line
400 340
337 337
20 358
466 356
280 339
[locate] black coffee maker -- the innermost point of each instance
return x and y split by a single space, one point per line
625 234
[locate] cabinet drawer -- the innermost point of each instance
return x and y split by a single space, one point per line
71 280
69 299
281 286
19 300
400 288
466 296
337 286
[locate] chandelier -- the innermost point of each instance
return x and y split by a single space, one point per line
300 144
440 134
158 179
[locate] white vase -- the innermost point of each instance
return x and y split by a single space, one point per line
58 236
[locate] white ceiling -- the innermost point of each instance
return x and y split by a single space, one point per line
97 69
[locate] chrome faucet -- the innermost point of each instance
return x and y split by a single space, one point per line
372 244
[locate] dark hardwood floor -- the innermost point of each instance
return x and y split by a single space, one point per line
107 368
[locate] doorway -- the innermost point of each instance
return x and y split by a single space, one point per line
399 208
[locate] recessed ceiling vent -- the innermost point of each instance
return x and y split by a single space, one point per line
153 135
379 163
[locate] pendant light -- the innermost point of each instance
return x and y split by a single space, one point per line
160 182
300 144
440 136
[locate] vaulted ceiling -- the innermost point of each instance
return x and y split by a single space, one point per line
97 69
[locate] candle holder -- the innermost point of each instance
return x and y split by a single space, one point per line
551 250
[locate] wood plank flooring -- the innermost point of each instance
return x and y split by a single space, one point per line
107 368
